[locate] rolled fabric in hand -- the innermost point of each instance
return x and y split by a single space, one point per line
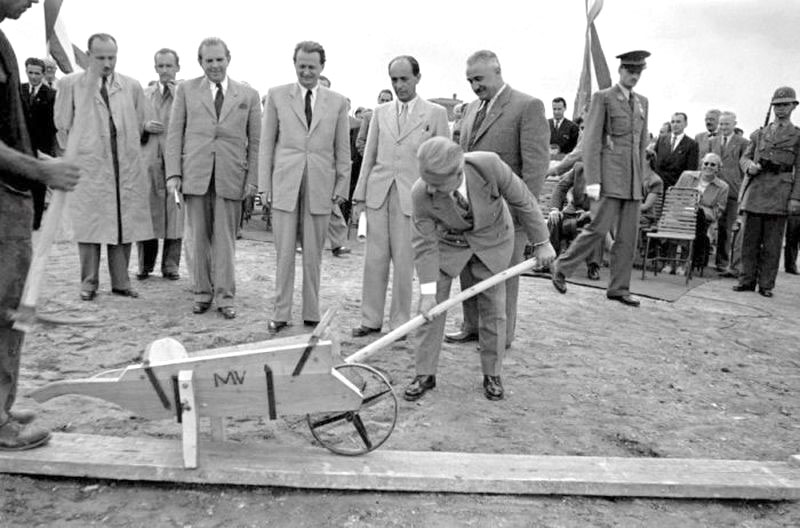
362 226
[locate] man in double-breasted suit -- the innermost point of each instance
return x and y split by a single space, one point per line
513 125
614 143
212 156
462 226
676 152
730 147
388 171
305 170
563 132
38 100
166 214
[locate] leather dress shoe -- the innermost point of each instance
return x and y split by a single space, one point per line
493 388
17 437
559 282
362 331
308 322
276 326
460 337
88 295
228 312
743 287
765 292
201 307
593 272
142 275
627 300
125 293
418 387
340 251
172 275
22 417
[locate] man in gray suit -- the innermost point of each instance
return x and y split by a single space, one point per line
388 171
305 171
513 125
212 155
614 143
462 226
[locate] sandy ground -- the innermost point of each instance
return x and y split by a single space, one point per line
714 375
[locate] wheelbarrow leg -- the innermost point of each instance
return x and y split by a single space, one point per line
188 418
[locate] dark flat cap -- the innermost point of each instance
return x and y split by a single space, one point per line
634 59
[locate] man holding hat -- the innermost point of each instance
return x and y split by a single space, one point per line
614 142
769 192
462 225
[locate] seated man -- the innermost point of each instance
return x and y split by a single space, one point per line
711 201
461 225
653 191
569 212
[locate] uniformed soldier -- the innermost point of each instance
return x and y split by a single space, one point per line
770 192
614 143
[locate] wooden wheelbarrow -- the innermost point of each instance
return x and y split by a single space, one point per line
350 407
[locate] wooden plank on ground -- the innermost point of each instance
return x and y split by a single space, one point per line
267 464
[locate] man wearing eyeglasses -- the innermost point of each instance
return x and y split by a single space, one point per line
771 191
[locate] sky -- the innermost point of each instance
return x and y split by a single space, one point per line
727 54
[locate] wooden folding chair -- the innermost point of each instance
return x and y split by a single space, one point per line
678 224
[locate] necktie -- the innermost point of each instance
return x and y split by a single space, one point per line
104 92
476 125
461 202
218 99
672 144
631 101
402 117
167 93
724 142
308 108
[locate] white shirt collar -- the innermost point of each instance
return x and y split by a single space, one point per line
493 99
172 87
213 86
35 89
678 138
627 93
409 105
463 187
109 82
314 93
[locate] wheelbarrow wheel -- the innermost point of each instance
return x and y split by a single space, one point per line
364 429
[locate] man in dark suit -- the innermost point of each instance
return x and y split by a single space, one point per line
614 159
676 152
305 172
212 155
37 102
513 125
563 132
462 226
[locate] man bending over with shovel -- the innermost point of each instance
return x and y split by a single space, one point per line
462 226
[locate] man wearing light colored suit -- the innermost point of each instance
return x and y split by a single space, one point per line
513 125
614 143
166 214
305 170
462 226
212 156
388 171
730 147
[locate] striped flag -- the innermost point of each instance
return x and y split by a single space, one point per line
592 53
66 55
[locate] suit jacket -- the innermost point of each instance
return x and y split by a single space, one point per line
566 136
390 155
704 141
167 217
516 130
714 198
444 240
199 145
614 142
670 164
731 172
39 117
289 148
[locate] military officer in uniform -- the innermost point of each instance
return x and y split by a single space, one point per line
770 192
614 142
